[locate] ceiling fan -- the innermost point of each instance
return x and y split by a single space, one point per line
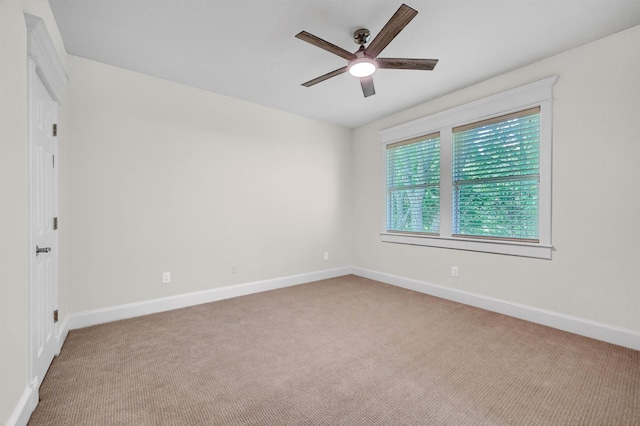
364 62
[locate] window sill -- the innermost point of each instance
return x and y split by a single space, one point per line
498 247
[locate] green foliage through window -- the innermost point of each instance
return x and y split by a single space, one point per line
496 177
413 185
480 180
495 180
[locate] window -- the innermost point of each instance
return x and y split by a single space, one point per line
479 179
413 185
496 176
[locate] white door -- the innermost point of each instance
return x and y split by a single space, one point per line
43 239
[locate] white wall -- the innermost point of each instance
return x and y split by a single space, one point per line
161 177
164 177
595 270
13 207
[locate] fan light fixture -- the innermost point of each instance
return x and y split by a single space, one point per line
362 67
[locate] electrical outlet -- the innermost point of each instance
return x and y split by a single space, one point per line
234 268
454 271
326 255
166 277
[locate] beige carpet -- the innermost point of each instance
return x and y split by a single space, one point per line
345 351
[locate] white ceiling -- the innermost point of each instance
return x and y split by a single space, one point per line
246 48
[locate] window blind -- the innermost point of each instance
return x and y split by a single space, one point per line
496 177
413 185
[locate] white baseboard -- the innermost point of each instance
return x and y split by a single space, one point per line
130 310
29 399
61 336
599 331
24 408
592 329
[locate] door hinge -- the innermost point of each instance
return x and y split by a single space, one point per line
53 161
55 130
55 316
55 223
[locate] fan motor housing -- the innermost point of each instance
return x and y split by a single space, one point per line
361 36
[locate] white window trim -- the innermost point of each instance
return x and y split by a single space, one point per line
539 93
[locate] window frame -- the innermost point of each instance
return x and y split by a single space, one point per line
536 94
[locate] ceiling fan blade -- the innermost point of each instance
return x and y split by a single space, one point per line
367 86
407 64
323 44
325 77
398 21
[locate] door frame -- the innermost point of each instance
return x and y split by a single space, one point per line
44 63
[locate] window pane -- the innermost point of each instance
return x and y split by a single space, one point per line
413 180
497 209
496 177
414 210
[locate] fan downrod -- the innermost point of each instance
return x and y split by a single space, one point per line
361 36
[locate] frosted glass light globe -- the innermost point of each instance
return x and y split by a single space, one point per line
362 67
